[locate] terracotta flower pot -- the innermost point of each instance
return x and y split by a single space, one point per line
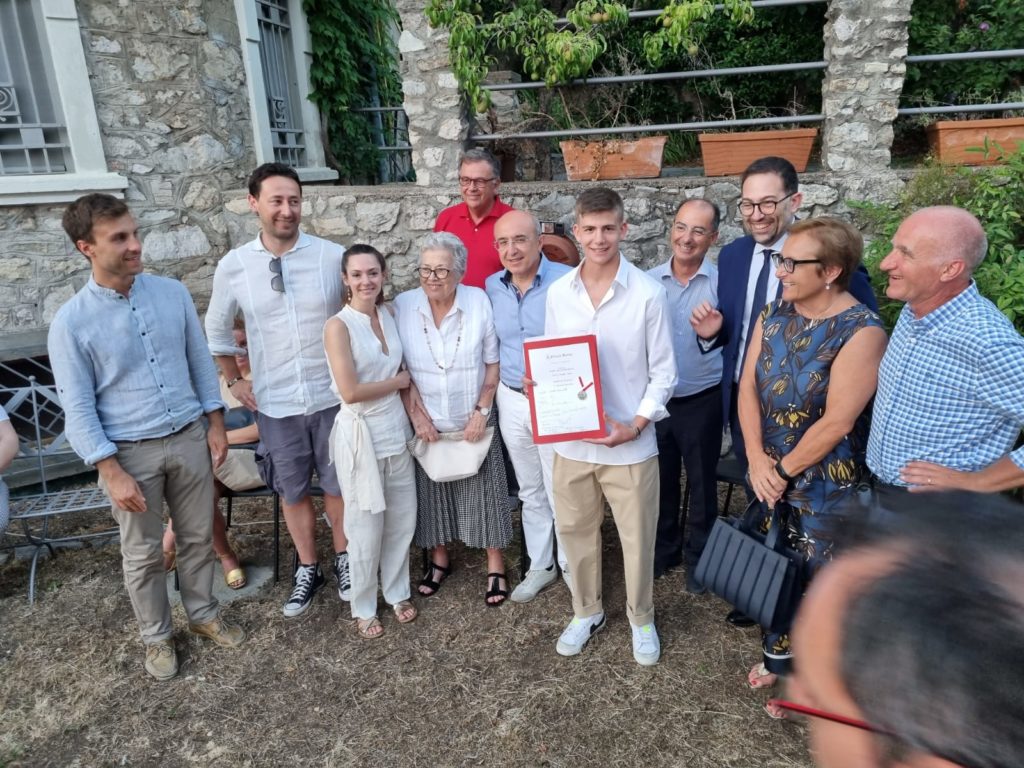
951 139
613 158
730 153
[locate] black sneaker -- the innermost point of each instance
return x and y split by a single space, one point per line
343 575
307 580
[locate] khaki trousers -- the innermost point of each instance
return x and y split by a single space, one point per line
631 490
175 469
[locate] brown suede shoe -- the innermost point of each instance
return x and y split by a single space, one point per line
222 632
161 660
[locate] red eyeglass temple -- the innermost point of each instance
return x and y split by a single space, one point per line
812 712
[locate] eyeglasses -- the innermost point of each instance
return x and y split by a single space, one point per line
767 207
821 714
682 229
504 242
441 273
790 264
277 281
853 722
467 181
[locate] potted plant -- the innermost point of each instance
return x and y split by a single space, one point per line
967 142
558 53
727 154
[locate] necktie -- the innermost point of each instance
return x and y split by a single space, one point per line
760 297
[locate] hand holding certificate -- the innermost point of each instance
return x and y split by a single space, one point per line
565 399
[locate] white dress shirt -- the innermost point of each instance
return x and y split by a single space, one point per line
447 363
634 350
771 292
290 374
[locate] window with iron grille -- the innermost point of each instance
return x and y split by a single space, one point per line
276 53
50 145
277 60
33 138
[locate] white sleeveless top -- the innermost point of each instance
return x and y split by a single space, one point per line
375 429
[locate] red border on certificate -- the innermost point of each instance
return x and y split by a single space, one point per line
591 341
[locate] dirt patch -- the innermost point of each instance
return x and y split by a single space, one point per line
465 685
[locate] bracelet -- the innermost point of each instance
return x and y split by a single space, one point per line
782 472
234 381
637 431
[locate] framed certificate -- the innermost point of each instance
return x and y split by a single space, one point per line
565 400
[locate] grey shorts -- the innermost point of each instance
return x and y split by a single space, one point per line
295 446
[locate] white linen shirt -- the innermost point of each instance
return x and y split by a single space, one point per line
634 351
450 394
290 374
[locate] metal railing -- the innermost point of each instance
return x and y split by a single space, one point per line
734 72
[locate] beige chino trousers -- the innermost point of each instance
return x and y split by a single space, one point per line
632 491
176 469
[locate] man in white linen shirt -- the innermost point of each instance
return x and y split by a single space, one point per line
628 312
287 284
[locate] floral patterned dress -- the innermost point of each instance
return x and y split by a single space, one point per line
793 371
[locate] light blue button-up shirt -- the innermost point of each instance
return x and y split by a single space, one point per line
950 390
130 368
517 318
696 371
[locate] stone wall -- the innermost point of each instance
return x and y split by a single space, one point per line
394 217
169 87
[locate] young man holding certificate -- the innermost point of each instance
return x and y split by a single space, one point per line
627 311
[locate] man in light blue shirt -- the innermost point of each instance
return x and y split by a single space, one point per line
950 400
135 378
518 294
691 436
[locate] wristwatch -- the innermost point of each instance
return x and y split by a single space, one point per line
484 410
234 381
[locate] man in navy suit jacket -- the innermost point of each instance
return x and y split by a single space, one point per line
769 201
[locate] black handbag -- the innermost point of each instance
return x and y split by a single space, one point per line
759 575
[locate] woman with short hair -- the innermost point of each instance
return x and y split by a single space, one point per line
804 397
451 351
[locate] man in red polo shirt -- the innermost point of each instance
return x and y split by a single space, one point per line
472 221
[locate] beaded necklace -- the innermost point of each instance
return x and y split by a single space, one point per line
458 340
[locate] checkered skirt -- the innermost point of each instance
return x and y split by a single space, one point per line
474 510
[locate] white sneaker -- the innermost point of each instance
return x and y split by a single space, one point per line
646 645
534 582
578 634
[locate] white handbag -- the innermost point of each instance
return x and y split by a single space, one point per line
452 457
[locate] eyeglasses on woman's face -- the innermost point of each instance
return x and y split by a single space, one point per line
790 264
439 273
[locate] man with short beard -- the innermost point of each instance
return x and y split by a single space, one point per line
287 284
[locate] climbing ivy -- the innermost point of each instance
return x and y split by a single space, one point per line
354 56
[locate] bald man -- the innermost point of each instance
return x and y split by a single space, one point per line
518 294
950 401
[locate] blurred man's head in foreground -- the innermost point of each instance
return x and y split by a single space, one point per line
917 630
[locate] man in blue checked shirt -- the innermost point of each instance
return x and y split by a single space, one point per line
135 378
950 401
518 294
691 436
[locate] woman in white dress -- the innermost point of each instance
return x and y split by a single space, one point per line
369 442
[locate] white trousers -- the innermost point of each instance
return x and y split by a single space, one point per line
532 464
380 542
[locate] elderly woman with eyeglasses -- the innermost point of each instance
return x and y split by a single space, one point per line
808 378
451 351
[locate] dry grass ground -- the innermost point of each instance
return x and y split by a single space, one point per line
464 686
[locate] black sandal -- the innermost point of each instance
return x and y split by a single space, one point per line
494 591
429 583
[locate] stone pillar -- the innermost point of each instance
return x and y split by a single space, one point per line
866 49
437 121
